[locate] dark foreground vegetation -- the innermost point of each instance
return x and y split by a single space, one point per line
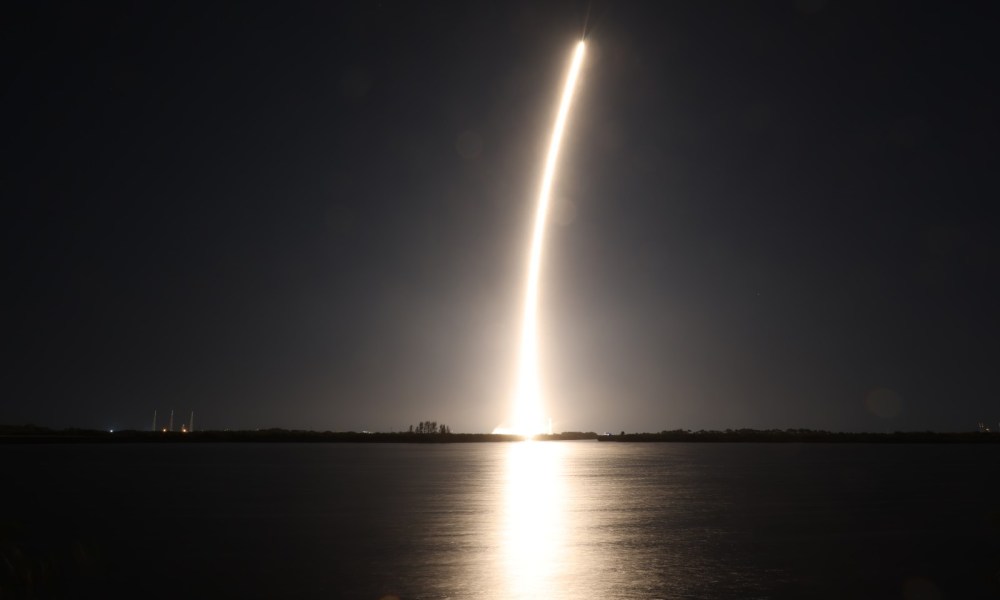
805 435
438 435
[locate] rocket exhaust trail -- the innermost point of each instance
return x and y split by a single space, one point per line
528 412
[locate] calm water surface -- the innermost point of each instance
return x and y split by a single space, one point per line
504 521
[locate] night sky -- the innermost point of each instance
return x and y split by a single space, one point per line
316 215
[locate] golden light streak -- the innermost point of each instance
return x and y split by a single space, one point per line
528 411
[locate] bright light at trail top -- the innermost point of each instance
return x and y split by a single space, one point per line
528 411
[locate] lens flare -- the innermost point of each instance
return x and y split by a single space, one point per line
528 418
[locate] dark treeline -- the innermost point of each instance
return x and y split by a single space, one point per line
430 427
439 435
803 435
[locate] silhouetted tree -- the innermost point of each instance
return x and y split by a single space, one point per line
430 427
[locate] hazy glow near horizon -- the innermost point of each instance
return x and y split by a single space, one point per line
528 418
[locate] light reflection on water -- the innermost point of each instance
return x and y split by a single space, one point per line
570 526
517 520
534 546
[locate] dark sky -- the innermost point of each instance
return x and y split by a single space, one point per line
315 215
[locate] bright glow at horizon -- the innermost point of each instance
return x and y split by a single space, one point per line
528 416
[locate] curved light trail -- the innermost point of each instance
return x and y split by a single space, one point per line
528 411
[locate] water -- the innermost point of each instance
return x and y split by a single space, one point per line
502 521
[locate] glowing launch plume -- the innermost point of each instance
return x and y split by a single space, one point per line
528 413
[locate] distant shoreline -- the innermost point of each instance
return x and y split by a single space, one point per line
38 435
266 436
806 436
